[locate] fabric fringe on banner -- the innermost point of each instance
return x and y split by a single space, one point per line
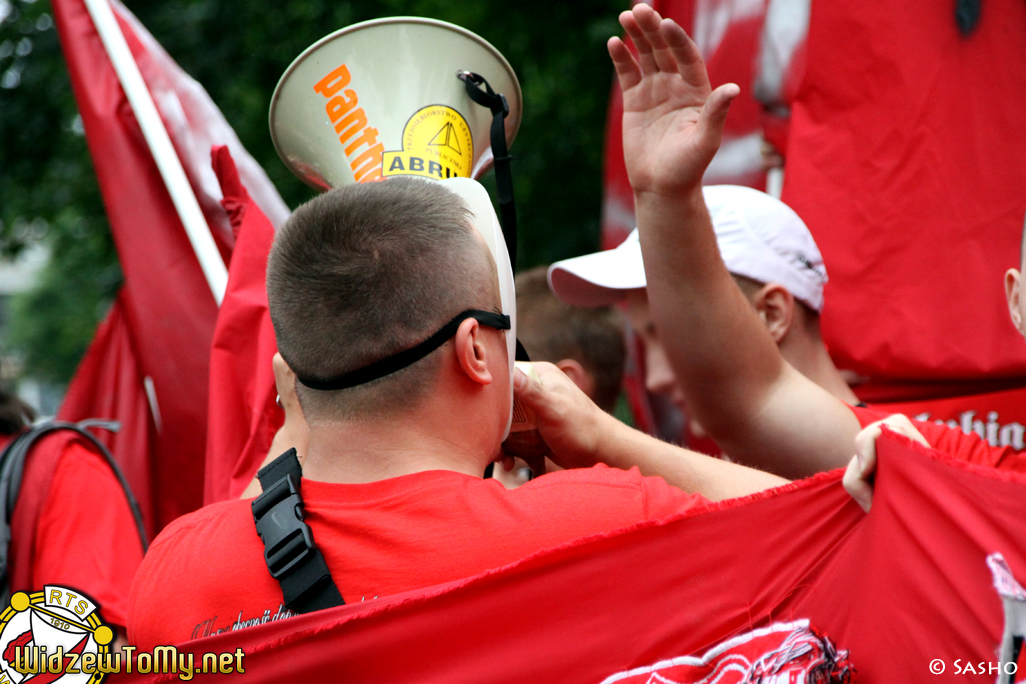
795 580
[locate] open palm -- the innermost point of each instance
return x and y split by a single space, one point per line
673 120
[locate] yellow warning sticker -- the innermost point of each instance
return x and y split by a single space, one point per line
436 144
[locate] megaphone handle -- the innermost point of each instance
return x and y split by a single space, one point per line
521 353
504 182
496 102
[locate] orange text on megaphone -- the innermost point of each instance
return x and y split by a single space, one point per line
351 124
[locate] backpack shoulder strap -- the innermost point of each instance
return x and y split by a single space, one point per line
291 555
12 470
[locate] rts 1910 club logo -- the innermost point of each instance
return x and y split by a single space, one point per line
53 635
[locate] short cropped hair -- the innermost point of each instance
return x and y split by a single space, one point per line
552 330
368 270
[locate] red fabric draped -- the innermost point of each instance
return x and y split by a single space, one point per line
109 384
908 583
166 310
906 159
243 415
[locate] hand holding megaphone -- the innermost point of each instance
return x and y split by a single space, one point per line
567 425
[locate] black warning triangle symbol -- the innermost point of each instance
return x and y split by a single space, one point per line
446 138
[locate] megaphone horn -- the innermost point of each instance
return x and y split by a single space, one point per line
407 96
383 98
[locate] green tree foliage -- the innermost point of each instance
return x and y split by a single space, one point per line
238 50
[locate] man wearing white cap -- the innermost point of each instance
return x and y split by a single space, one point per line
770 253
757 406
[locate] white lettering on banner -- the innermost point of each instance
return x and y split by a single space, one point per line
992 432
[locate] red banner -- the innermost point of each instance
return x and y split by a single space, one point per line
925 582
999 418
906 159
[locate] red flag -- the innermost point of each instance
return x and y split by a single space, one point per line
110 384
798 578
168 310
906 159
243 415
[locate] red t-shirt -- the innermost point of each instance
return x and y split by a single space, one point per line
85 537
952 441
205 573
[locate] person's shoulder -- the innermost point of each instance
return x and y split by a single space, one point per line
77 455
215 536
198 564
599 475
208 524
628 491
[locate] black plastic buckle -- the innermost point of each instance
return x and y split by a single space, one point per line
279 522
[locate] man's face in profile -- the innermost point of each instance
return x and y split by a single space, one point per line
659 376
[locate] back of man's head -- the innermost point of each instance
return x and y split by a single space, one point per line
365 271
554 331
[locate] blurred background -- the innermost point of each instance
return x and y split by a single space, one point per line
59 270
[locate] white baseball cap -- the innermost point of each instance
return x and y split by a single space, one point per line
759 237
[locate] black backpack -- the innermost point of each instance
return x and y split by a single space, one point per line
12 468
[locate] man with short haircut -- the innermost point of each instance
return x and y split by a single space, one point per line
362 280
771 256
586 343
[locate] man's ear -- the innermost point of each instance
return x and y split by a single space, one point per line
288 396
580 377
471 352
775 305
284 378
1013 292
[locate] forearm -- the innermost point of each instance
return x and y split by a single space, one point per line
737 385
624 447
722 355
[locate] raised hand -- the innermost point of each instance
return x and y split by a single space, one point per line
673 120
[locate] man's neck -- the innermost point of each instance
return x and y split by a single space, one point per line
810 358
356 452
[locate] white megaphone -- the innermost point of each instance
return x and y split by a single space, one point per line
389 97
383 98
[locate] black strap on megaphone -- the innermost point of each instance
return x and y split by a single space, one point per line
480 92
